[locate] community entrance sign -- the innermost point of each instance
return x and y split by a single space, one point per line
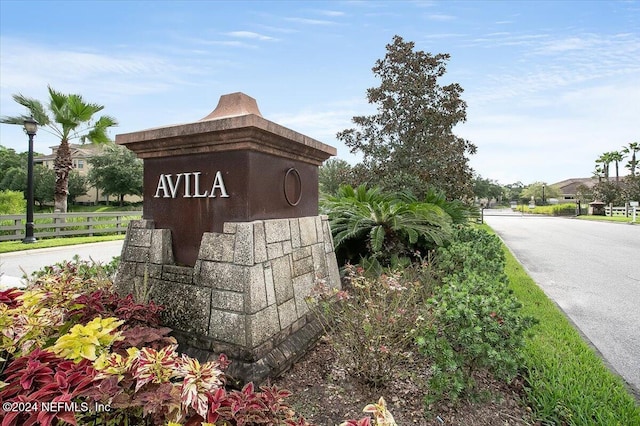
230 240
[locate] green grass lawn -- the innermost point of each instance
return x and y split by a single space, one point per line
567 382
10 246
609 219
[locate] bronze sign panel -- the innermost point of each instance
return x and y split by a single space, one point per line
193 194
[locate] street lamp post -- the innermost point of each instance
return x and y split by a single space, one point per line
543 203
30 128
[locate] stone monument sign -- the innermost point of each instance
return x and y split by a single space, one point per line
230 240
233 165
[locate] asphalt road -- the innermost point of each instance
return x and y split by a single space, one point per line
592 271
14 265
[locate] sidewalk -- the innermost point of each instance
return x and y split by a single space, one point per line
15 265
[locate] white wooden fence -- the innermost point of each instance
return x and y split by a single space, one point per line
625 211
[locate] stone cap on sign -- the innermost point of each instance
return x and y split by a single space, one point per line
233 105
235 124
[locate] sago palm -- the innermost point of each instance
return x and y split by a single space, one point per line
458 211
367 223
67 117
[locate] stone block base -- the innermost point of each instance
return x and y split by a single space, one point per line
245 295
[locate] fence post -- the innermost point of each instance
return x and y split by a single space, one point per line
57 220
90 226
17 222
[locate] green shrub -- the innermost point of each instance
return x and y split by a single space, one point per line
12 202
475 325
89 272
566 209
474 321
471 250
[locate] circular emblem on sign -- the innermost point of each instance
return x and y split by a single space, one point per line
292 187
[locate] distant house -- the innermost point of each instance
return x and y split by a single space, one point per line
569 187
80 156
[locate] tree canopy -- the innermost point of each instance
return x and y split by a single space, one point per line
541 192
333 174
117 172
409 143
487 188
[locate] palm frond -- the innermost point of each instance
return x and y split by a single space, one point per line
35 108
80 110
376 238
98 134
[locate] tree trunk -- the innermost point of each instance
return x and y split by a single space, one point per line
62 166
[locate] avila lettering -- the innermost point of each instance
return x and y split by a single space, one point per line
169 187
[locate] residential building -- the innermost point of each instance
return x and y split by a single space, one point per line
80 156
569 187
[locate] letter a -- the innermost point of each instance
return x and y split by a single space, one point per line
162 186
219 184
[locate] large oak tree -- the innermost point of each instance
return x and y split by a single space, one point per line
409 143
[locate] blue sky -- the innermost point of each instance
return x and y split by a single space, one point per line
549 85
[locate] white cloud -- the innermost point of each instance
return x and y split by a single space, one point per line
571 43
250 35
442 35
281 30
307 21
331 13
223 43
440 17
23 71
323 122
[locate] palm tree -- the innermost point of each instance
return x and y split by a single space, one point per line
616 157
598 172
632 149
605 159
68 117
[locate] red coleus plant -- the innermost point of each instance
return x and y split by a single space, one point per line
42 377
249 407
9 297
141 325
140 336
105 304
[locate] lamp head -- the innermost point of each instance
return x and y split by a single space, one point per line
30 126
